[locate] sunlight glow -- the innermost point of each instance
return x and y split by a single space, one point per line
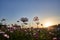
47 24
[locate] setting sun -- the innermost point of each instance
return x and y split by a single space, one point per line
48 23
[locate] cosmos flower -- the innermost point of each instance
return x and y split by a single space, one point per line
1 32
54 38
5 35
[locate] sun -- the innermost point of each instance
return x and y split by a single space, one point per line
47 24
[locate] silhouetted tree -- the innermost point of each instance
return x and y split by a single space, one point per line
58 25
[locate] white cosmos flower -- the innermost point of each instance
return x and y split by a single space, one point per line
5 35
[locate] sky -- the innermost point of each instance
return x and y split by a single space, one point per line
13 10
